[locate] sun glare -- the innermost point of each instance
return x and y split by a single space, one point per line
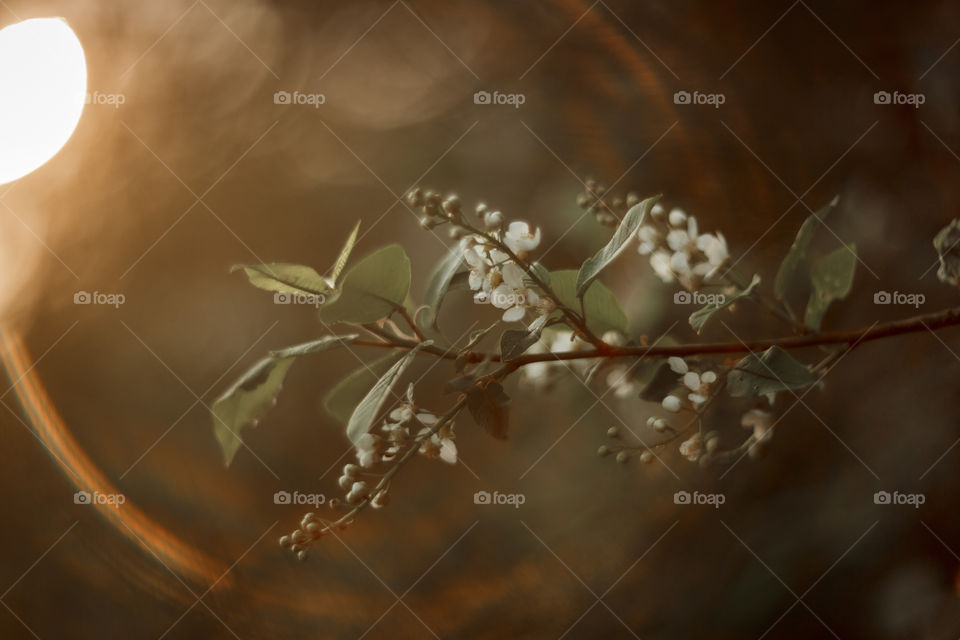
43 84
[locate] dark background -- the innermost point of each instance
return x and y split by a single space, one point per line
114 212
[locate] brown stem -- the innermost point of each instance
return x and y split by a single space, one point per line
925 322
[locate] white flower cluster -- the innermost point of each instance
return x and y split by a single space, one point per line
497 279
697 384
678 251
372 448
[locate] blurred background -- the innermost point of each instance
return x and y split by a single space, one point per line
203 165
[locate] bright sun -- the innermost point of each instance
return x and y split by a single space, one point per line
43 85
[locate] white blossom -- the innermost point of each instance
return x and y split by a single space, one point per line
439 445
660 261
512 294
649 238
697 383
368 450
520 239
680 252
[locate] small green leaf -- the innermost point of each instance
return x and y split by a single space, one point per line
245 402
372 288
341 262
792 266
490 408
601 306
832 279
439 284
369 408
773 370
250 397
700 317
513 342
344 397
285 278
618 242
315 346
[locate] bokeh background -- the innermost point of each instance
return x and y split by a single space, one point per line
200 169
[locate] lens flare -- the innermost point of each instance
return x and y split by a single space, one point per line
43 85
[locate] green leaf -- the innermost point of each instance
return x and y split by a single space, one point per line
250 397
369 408
490 408
344 397
541 272
700 317
439 284
618 242
513 342
245 402
285 278
773 370
341 262
662 381
832 279
793 263
371 289
315 346
601 306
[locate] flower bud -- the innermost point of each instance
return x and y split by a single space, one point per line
671 403
623 457
646 457
492 219
603 451
285 541
613 432
677 217
452 205
301 555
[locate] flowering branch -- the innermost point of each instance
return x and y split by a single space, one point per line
575 320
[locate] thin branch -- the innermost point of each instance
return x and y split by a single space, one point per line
927 322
